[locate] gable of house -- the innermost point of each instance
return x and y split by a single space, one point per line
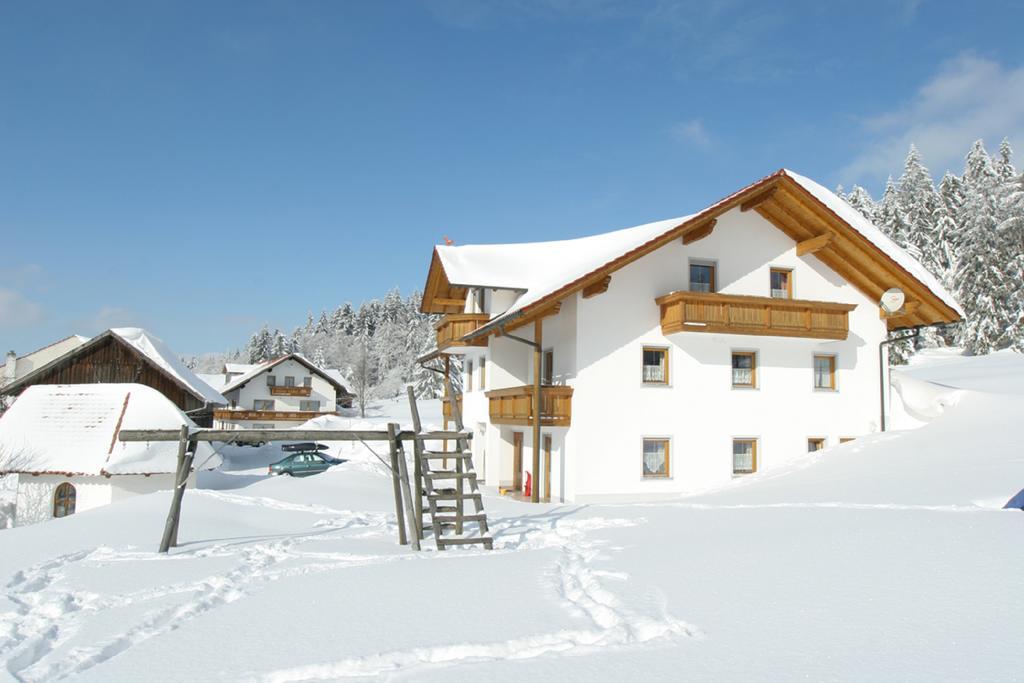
542 274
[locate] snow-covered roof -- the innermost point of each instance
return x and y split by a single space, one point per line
236 382
157 351
216 381
73 428
239 368
540 270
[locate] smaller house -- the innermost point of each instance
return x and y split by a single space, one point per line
280 393
62 443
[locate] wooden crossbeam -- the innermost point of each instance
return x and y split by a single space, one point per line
699 232
758 199
598 287
449 302
814 244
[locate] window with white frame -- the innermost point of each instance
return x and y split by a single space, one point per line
263 404
309 406
271 381
307 381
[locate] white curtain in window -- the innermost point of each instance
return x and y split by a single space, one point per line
654 457
742 376
743 457
654 373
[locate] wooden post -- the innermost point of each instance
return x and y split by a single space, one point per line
457 418
180 478
190 458
417 466
537 331
444 404
397 485
398 458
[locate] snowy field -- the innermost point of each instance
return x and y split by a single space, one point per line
886 558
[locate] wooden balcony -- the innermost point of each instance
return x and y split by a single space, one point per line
267 415
514 406
761 315
455 325
290 391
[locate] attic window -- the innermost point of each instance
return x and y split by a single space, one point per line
307 381
271 381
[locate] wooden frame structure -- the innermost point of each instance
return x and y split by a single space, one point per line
410 529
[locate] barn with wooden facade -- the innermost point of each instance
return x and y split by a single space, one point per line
129 355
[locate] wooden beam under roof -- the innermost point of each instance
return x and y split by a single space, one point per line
699 231
553 309
813 245
597 287
759 198
440 301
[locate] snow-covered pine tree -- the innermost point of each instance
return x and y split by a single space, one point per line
983 288
260 347
860 199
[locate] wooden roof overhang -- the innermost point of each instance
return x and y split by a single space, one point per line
439 294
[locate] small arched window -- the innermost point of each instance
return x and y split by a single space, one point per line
64 500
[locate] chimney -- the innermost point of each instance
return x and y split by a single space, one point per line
10 368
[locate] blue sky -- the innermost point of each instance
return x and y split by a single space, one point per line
203 168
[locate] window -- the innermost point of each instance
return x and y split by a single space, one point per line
744 369
289 381
469 375
307 382
782 283
815 444
261 404
655 365
64 500
702 277
824 372
656 459
478 300
483 372
744 456
262 425
309 406
547 375
271 381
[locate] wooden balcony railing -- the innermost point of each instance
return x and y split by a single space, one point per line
268 415
762 315
514 406
290 391
455 325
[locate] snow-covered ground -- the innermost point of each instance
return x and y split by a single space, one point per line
888 557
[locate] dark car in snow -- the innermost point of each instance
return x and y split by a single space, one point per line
303 460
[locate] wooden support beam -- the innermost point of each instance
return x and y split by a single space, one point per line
449 302
553 309
401 477
180 479
248 435
538 341
757 199
598 287
814 244
396 484
699 232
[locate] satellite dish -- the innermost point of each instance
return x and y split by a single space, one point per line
892 300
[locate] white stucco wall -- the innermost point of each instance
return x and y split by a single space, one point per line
598 346
35 493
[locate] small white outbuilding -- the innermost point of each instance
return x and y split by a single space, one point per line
61 441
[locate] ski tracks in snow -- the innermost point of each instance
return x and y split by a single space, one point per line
579 586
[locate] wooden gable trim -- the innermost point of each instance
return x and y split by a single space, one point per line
540 314
439 295
598 287
699 232
758 199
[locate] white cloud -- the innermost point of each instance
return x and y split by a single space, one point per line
970 98
17 311
691 132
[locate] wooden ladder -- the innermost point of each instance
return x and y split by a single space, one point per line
446 505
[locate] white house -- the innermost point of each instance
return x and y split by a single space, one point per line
676 355
15 367
280 393
61 440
